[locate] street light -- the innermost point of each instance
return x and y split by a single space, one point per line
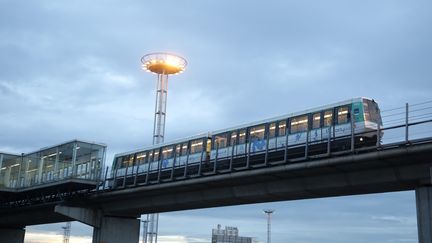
162 64
268 212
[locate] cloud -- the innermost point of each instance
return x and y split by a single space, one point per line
72 70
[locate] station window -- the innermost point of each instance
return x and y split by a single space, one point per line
328 118
242 136
343 115
299 124
141 157
220 141
167 152
282 128
316 120
272 130
196 146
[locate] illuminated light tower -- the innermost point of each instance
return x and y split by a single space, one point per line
269 212
162 64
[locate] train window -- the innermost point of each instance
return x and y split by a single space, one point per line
257 133
220 141
234 138
177 150
127 160
316 120
328 118
242 136
150 156
141 158
184 149
167 152
343 115
299 124
282 128
272 130
196 146
371 111
118 163
156 155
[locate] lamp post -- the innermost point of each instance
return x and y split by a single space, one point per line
269 213
162 64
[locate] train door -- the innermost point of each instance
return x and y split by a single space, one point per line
183 156
141 161
298 130
154 160
315 134
281 133
167 157
220 145
327 124
242 138
343 121
196 149
271 133
257 138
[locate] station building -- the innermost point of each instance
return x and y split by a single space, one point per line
70 160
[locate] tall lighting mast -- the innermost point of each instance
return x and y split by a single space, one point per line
162 64
269 212
66 232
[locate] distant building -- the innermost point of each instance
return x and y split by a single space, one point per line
229 235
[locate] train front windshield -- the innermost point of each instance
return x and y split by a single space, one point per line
372 112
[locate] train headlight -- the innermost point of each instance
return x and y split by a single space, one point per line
361 139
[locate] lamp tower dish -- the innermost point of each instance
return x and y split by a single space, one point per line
162 64
269 213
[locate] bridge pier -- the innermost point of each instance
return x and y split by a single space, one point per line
117 230
424 214
12 235
106 228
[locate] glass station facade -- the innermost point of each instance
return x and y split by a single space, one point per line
75 159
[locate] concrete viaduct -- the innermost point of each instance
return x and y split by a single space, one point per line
112 212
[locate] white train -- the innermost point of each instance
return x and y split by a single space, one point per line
290 136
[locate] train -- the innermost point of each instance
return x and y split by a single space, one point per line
335 127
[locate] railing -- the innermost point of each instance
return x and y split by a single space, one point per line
406 125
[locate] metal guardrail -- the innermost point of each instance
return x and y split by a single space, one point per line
405 125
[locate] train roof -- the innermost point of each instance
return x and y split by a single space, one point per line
320 108
180 140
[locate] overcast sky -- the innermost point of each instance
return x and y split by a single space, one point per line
71 69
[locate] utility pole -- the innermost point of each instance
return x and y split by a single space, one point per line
268 212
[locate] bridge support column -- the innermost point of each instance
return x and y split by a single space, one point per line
117 230
12 235
106 229
424 214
